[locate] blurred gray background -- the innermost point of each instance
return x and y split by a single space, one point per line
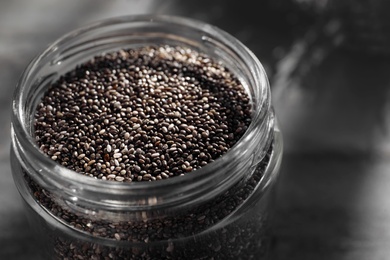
329 67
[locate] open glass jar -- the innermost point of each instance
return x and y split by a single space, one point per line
221 211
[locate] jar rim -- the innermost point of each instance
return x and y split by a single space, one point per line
189 182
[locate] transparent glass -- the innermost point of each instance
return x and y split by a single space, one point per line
221 211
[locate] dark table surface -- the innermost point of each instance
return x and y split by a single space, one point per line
330 80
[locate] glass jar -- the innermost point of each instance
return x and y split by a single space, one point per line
219 212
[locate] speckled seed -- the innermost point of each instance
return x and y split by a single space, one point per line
118 178
117 155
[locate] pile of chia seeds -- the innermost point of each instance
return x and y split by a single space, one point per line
142 114
149 114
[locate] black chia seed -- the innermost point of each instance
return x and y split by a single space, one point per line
143 115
